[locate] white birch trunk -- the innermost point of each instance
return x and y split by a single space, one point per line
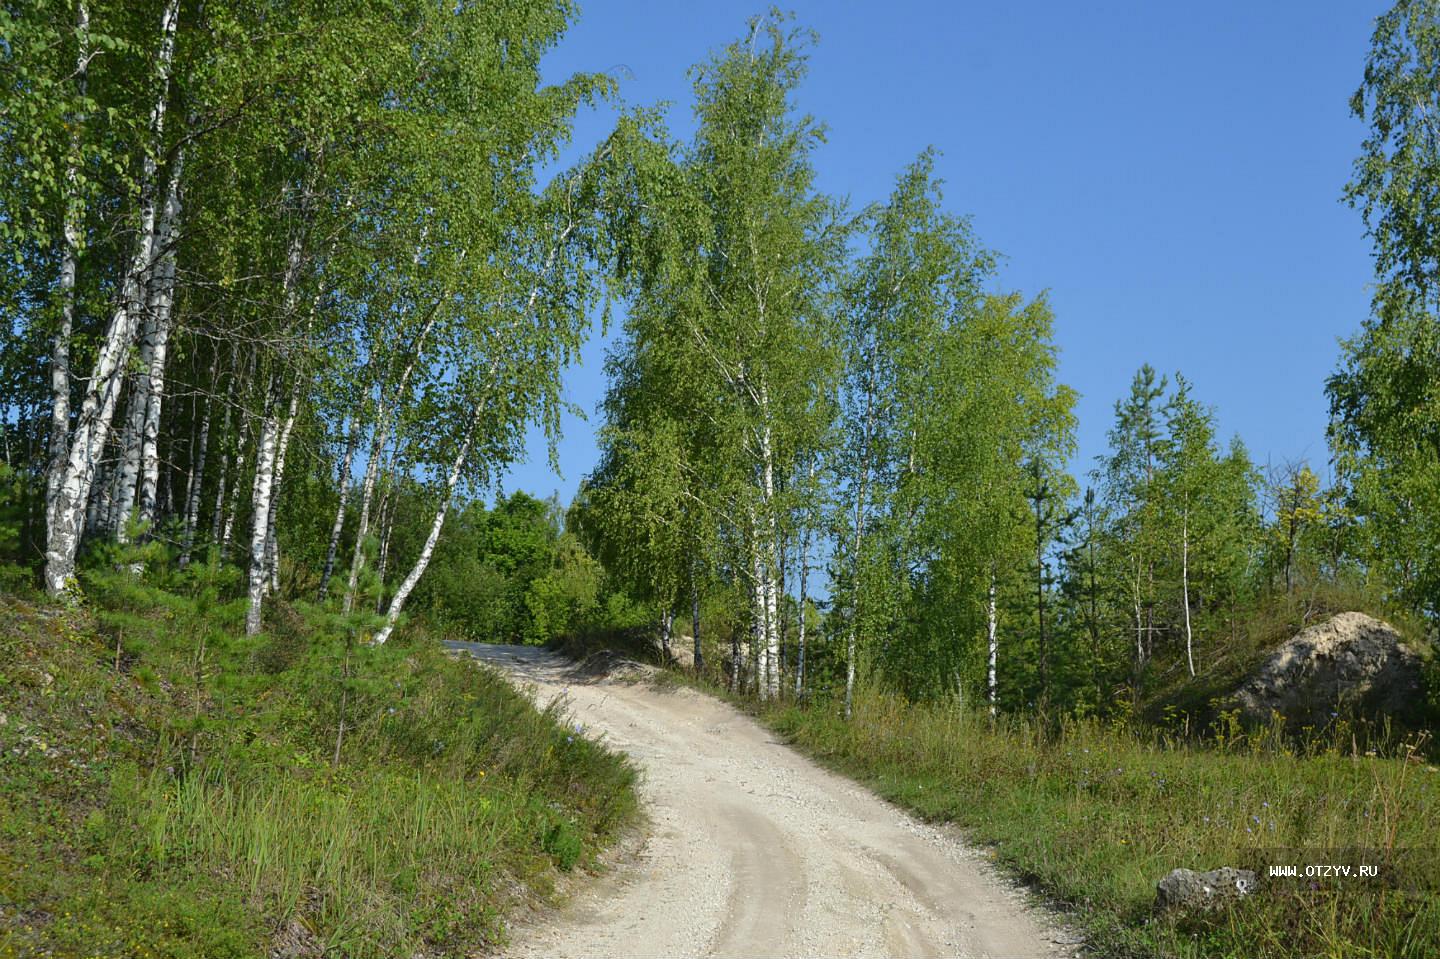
152 377
402 593
377 447
74 224
227 534
97 510
197 480
338 527
695 620
217 519
269 454
389 502
850 649
263 486
757 603
851 642
993 646
771 636
1185 584
272 541
667 629
367 495
397 602
800 630
127 472
97 408
232 504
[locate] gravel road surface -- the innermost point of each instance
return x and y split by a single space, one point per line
755 851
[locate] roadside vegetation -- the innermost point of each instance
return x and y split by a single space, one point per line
1092 814
172 788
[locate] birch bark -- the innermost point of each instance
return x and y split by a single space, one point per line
338 527
269 457
402 593
272 541
127 472
261 490
695 621
197 480
757 601
389 502
237 472
1185 583
97 408
378 444
397 602
864 482
993 646
800 629
74 222
367 493
152 377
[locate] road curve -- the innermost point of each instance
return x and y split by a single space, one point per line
755 851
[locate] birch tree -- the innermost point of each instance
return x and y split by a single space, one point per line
1384 425
69 480
726 261
920 279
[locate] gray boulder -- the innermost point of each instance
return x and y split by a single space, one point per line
1351 665
1191 891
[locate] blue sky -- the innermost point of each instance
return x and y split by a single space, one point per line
1169 173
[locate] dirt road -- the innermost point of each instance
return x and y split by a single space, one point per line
755 851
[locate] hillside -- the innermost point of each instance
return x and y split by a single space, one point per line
170 790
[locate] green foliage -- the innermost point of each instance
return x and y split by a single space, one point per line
17 502
286 785
1385 398
485 565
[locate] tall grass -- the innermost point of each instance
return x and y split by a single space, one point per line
1095 814
169 788
348 854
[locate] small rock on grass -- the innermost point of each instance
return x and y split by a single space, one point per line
1186 889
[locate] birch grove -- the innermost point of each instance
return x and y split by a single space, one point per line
290 314
429 250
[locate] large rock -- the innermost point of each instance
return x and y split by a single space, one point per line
1192 891
1352 665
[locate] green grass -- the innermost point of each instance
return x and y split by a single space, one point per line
1093 815
169 788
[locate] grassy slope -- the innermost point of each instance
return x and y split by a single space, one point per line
1095 815
167 789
